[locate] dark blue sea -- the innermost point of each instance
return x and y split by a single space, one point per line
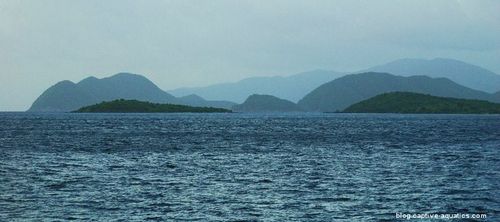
248 167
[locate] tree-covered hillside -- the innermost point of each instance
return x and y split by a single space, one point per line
407 102
135 106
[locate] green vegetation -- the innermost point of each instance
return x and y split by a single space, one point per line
406 102
67 96
135 106
350 89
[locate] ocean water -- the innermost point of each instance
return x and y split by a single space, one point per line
247 167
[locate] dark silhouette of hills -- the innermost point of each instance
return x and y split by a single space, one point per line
465 74
291 88
345 91
135 106
68 96
266 103
316 88
407 102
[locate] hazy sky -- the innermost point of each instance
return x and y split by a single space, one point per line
195 43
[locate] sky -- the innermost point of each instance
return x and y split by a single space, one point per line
188 43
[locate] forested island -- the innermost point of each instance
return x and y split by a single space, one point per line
136 106
407 102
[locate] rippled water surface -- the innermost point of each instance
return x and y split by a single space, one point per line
296 167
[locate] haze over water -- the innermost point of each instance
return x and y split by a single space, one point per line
286 167
189 44
302 60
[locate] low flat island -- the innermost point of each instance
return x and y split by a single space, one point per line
135 106
407 102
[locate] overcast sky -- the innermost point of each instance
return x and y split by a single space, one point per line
196 43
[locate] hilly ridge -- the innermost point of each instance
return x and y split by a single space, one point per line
345 91
67 96
295 87
463 73
291 88
318 90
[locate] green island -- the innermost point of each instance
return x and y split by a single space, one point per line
135 106
407 102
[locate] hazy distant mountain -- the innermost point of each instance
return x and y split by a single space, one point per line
195 100
68 96
291 88
345 91
266 103
460 72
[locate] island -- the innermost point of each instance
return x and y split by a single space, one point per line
266 103
136 106
66 96
408 102
342 92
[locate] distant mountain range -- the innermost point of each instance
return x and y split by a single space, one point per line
290 88
68 96
406 102
320 90
345 91
296 86
266 103
460 72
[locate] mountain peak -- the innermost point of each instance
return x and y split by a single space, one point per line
193 98
90 79
256 96
126 75
64 83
